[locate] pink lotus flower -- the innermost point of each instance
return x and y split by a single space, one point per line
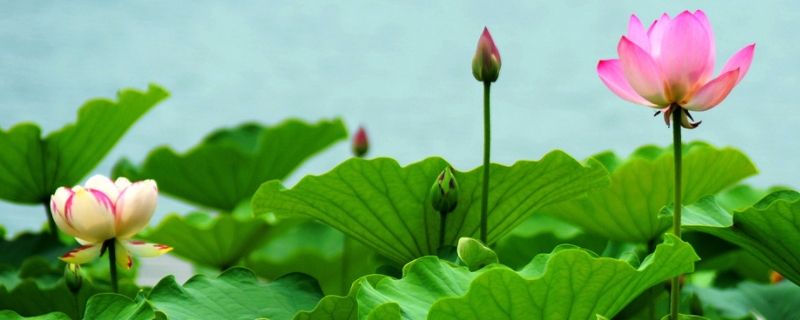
486 62
672 63
105 210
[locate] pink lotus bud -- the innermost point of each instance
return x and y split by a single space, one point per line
360 143
486 63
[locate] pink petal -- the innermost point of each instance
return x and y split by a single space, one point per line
610 71
741 60
57 208
83 254
144 249
684 56
59 199
486 36
642 72
709 71
91 214
637 34
713 92
103 184
135 207
656 33
123 256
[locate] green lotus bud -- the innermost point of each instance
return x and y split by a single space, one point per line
73 277
444 193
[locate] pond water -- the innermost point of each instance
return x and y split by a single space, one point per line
400 69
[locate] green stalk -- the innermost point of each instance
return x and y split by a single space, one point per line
78 313
487 137
442 228
347 252
112 263
50 220
651 293
675 291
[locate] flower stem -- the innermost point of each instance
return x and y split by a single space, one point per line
347 252
112 263
487 138
442 228
78 313
50 220
651 293
675 290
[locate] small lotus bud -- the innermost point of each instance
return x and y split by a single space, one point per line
486 63
444 193
73 277
360 143
775 277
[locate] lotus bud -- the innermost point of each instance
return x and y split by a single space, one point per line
486 63
73 277
360 143
444 193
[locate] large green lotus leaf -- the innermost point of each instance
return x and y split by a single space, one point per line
333 307
219 241
8 276
428 278
386 311
36 256
24 245
318 250
46 274
742 196
11 315
569 283
229 165
541 234
235 294
387 207
31 298
116 306
32 168
742 266
642 186
666 317
770 229
37 269
750 300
